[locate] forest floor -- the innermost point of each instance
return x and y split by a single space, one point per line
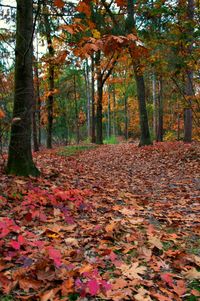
115 222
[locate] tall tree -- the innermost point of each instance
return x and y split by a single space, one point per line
145 138
189 90
20 160
51 71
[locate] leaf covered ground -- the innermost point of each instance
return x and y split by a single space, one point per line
116 222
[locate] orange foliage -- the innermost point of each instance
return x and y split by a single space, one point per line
59 3
2 114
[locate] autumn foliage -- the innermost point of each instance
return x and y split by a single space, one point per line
116 222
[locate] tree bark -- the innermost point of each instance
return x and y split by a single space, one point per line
35 123
126 116
76 112
109 115
38 100
154 105
159 133
50 99
99 137
145 138
88 93
93 102
20 160
189 91
35 136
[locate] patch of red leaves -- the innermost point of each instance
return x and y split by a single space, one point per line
116 222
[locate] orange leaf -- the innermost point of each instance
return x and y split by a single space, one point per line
84 8
86 268
27 284
59 3
2 114
67 286
48 295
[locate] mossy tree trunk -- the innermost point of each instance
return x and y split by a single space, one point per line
20 160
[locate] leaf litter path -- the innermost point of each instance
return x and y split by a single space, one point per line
114 223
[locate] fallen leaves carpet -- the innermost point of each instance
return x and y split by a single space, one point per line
116 222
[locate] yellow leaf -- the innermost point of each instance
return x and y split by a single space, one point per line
96 34
53 236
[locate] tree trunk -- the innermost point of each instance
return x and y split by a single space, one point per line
35 138
76 112
34 116
50 99
93 102
126 116
38 100
145 138
159 134
154 105
109 121
87 82
187 110
189 91
20 160
99 138
114 112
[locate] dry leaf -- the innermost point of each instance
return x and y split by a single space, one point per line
192 274
142 295
72 242
86 268
133 271
112 226
27 284
48 295
155 241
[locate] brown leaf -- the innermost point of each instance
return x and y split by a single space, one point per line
67 286
133 271
155 241
48 295
142 295
26 284
70 241
192 274
86 268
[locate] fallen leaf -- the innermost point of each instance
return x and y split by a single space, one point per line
27 284
73 242
155 241
133 271
93 287
192 274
